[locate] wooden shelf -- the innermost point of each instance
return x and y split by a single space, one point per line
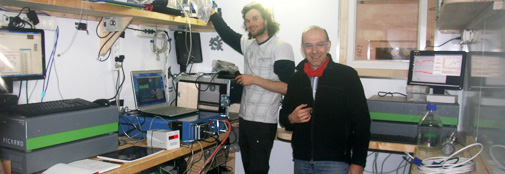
456 15
62 8
284 135
73 8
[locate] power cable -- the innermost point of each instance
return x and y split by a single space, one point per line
109 51
456 38
450 164
96 30
49 66
165 43
122 82
75 33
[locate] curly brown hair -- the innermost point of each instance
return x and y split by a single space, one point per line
272 26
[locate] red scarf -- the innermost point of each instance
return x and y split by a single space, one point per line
318 72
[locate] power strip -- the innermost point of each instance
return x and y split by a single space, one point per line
151 30
45 22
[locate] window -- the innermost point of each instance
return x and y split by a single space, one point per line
377 35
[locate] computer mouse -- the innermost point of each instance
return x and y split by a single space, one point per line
102 102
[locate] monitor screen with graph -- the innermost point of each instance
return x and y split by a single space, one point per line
440 70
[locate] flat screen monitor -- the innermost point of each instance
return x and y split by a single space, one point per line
440 70
22 55
187 46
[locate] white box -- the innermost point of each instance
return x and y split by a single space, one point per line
161 138
442 98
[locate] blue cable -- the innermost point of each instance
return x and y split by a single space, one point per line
50 65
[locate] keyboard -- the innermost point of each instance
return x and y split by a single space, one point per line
393 138
34 109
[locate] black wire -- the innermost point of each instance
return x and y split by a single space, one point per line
458 38
398 168
17 22
96 30
105 43
208 85
383 94
135 29
384 161
26 91
20 87
122 82
20 11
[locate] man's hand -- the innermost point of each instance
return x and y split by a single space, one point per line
300 114
274 86
212 11
355 169
246 80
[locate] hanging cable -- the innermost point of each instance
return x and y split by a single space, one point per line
57 78
20 87
96 30
109 51
121 85
456 38
73 37
26 92
45 83
165 43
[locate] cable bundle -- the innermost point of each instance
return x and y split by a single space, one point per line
450 164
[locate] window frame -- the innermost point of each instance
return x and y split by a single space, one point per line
377 68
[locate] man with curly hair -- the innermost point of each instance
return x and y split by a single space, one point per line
269 62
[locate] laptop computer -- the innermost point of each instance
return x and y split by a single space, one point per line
149 95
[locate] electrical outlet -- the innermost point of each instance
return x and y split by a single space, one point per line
45 22
150 28
112 23
4 19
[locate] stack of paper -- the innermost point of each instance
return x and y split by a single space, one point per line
85 166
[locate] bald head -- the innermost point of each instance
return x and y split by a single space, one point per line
315 28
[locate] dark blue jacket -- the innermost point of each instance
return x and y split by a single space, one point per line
339 129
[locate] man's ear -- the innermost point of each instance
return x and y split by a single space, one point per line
329 45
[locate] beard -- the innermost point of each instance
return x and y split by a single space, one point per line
260 32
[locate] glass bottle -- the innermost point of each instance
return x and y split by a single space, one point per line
429 130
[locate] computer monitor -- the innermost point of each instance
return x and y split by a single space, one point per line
22 55
148 87
440 70
183 41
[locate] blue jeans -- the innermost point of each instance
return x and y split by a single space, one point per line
320 167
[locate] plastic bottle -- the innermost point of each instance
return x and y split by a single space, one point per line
429 130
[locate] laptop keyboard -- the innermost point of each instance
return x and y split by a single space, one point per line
170 111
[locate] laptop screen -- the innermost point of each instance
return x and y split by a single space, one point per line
148 87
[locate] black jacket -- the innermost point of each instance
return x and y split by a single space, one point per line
339 129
